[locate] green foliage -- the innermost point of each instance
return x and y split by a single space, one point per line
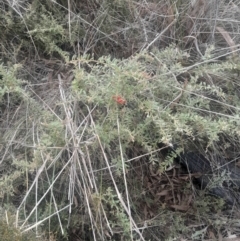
117 216
9 83
9 231
148 117
20 161
46 29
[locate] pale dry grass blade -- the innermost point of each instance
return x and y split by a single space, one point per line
124 177
228 39
45 219
133 224
47 191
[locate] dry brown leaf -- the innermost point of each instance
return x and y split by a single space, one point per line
180 207
211 235
190 197
167 198
170 14
185 177
152 214
177 181
145 211
163 193
179 198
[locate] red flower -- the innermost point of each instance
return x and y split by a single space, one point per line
120 100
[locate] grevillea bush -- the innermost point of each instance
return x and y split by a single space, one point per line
93 94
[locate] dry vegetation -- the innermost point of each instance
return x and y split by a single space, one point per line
92 95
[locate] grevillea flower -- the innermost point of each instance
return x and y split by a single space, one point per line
119 99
